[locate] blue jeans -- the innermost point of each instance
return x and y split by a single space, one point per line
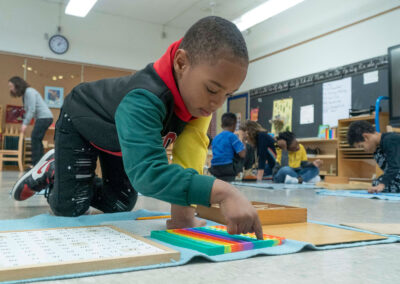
306 173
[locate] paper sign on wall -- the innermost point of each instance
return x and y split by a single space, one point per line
371 77
336 101
307 114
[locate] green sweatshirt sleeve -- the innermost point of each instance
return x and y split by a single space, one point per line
139 120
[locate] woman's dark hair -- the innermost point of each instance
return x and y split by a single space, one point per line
252 128
20 86
288 136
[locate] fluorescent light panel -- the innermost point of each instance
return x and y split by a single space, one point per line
263 12
79 8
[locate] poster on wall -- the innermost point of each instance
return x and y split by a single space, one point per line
54 96
282 116
336 101
254 114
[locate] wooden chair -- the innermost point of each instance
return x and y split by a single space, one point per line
13 155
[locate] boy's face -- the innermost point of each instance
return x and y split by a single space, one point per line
369 144
294 146
204 87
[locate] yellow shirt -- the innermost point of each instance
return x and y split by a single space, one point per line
191 147
295 158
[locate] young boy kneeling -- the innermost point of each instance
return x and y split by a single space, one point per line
128 122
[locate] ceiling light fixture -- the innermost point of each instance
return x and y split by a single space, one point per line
79 8
263 12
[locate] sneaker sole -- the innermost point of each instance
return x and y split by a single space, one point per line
35 168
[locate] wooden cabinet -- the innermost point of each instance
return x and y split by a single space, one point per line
327 153
355 163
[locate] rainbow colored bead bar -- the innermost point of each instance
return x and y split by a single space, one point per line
214 240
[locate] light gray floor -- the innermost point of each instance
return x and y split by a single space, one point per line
368 264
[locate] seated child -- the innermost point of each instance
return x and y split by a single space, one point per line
128 122
228 150
386 148
291 162
264 144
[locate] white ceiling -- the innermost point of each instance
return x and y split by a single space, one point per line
173 13
183 13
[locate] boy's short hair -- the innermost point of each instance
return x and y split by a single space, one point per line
212 38
228 119
288 136
356 131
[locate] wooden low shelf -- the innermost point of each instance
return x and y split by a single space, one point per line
354 163
328 153
321 157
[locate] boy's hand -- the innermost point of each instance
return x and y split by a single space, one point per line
282 144
240 215
376 189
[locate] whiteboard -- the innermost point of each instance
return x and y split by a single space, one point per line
336 101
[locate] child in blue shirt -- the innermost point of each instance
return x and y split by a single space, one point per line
228 150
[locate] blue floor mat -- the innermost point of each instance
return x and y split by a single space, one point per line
275 186
361 194
49 221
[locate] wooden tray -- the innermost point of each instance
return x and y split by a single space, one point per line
49 252
317 234
269 213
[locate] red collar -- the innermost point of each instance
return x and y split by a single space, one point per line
164 67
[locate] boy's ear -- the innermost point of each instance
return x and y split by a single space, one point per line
366 136
181 61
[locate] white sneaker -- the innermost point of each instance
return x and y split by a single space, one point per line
291 180
314 180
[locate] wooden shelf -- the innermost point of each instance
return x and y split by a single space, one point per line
322 157
327 149
326 174
355 163
315 139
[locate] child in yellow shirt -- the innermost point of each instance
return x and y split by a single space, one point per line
292 165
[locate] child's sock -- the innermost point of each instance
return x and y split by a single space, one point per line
315 179
291 180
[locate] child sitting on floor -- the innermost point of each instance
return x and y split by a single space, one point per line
228 150
292 165
386 148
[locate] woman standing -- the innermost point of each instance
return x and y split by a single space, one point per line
36 108
258 138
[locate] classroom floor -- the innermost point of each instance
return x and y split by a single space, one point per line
368 264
